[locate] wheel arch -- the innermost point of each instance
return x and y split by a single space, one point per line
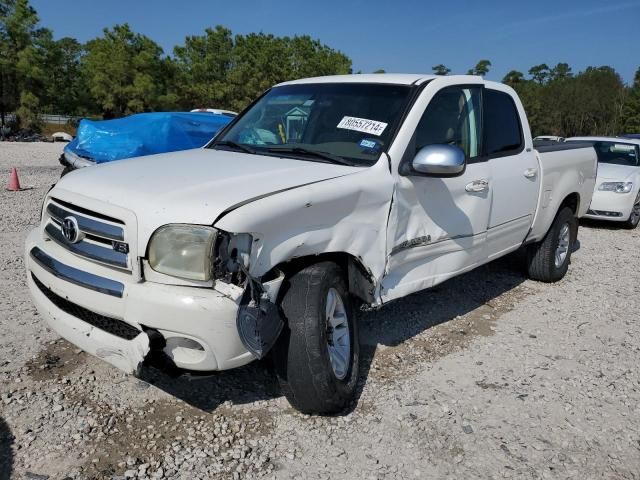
547 213
361 281
572 201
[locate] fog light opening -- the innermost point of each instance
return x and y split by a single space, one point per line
183 342
184 351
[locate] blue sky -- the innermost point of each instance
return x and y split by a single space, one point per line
399 36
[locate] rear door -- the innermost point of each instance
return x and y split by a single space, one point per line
514 171
437 226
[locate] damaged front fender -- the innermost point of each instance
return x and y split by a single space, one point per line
346 215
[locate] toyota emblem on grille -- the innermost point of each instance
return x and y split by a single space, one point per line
70 230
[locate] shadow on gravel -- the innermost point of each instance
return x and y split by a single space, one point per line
403 319
6 452
243 385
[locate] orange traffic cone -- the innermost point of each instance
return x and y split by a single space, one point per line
14 181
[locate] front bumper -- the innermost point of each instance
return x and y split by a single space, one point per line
198 324
611 206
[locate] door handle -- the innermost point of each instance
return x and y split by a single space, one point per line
530 172
477 186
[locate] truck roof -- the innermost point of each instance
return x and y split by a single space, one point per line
394 78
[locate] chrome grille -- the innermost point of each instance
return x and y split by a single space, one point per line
87 225
102 238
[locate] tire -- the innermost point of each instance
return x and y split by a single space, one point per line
634 218
66 170
302 355
541 257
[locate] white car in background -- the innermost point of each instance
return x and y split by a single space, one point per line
617 194
548 138
217 111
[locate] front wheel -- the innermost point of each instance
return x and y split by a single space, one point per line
548 260
317 354
634 218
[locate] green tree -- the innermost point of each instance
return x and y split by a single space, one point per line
481 68
441 69
380 70
260 60
222 71
531 95
124 72
598 102
589 103
539 73
18 27
631 109
28 111
65 90
310 58
514 77
202 69
561 71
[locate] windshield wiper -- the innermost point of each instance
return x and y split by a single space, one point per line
235 146
313 153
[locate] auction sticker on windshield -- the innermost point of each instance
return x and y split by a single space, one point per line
362 125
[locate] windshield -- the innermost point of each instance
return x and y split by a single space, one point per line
614 152
353 123
617 153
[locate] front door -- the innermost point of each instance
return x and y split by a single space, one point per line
437 226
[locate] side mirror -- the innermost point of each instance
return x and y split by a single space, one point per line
439 161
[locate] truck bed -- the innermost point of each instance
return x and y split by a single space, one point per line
562 168
548 147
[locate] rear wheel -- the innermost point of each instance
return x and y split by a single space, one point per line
317 355
634 218
548 260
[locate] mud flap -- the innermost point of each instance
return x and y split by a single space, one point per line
259 322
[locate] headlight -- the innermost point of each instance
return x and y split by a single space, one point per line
183 251
618 187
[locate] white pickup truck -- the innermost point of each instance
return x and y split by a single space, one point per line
324 194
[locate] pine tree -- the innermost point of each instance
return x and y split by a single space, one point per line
631 110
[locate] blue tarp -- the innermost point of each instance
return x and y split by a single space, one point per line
144 134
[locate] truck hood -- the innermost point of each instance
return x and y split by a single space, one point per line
616 173
193 186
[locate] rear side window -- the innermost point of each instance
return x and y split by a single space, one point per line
503 132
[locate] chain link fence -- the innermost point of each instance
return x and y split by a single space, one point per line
47 118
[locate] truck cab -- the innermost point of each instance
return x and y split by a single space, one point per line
324 194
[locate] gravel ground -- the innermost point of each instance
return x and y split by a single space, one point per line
489 375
